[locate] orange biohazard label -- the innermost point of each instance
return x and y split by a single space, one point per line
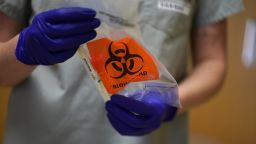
120 62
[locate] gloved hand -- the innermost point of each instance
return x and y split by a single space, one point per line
135 118
54 36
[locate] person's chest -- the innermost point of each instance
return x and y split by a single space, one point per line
170 16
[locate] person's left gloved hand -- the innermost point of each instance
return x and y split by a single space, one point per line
135 118
55 35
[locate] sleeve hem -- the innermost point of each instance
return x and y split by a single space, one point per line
219 18
12 12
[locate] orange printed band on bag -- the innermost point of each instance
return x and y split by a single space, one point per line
120 62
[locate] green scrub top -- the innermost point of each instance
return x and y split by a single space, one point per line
59 104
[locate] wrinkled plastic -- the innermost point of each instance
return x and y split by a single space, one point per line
137 90
124 28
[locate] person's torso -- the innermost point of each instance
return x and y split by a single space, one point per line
165 25
60 104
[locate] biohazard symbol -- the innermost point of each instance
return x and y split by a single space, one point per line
121 62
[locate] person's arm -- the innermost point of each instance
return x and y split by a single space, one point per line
12 71
209 56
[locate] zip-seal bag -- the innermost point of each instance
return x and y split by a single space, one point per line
117 59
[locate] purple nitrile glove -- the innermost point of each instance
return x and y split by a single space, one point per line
55 35
136 118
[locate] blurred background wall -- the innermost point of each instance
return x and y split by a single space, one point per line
4 92
230 117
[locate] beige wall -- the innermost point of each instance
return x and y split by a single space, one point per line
230 118
4 92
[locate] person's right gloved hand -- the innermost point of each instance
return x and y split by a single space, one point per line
131 117
55 35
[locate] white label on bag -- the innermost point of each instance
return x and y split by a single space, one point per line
180 6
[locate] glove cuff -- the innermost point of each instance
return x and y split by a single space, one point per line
20 51
170 113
